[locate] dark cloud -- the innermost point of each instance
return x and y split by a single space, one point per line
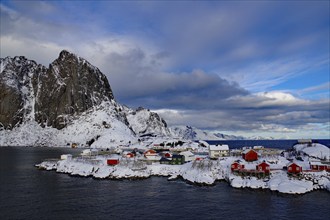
202 60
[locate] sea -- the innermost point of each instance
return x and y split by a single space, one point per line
29 193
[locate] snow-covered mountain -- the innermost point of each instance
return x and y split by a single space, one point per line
192 133
71 101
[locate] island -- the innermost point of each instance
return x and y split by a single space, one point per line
303 168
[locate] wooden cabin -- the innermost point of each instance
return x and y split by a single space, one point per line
318 166
152 155
236 166
66 157
164 160
113 161
130 155
293 168
177 159
220 150
250 155
263 168
188 156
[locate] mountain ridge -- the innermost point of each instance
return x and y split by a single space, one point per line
71 101
58 96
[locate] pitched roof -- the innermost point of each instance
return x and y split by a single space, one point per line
219 147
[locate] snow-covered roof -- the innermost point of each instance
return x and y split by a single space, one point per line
204 143
219 147
247 150
258 147
318 163
187 153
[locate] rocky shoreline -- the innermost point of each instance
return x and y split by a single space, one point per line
217 170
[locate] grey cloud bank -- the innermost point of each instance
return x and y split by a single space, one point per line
205 64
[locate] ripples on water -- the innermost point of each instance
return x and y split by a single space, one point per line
28 193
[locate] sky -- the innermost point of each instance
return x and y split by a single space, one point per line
251 68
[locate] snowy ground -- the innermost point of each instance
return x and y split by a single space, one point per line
204 172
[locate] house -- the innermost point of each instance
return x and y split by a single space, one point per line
164 160
150 152
152 155
130 155
216 151
250 155
113 161
177 159
258 147
66 157
318 166
89 152
236 166
294 168
263 168
188 156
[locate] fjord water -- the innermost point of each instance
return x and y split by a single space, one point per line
29 193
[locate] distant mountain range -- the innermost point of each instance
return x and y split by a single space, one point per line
71 101
191 133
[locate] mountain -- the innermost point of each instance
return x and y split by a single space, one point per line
69 98
191 133
48 95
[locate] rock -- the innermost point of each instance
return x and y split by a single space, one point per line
49 95
58 95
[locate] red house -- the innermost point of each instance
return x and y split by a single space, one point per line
130 155
236 166
167 155
150 152
250 155
294 168
113 161
263 168
317 166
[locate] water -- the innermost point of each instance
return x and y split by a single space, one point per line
280 144
28 193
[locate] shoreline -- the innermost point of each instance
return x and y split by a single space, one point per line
279 181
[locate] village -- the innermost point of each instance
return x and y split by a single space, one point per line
303 168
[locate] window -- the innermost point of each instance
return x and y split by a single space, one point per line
297 169
290 168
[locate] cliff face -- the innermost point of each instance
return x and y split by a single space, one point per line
70 85
18 85
49 95
54 96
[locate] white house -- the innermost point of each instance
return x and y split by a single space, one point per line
151 155
89 152
188 156
66 157
220 150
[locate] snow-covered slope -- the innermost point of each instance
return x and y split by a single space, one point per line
98 127
315 150
69 102
143 121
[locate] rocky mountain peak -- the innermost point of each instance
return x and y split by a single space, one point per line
49 95
56 96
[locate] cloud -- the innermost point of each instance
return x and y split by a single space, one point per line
269 114
206 64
